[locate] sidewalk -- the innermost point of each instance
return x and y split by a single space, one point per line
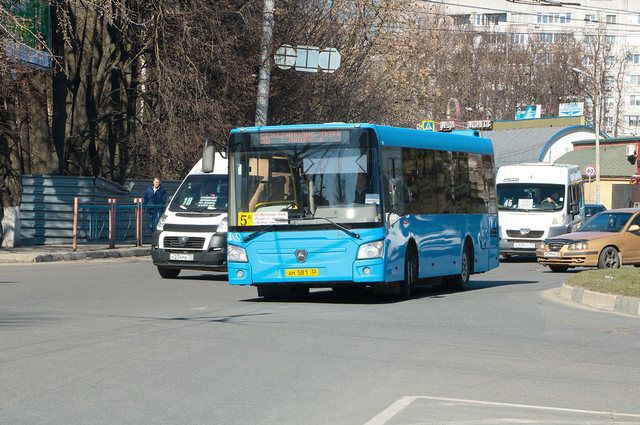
47 253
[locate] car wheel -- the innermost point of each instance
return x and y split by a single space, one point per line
168 273
609 258
559 269
410 274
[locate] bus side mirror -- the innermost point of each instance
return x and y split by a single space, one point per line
208 157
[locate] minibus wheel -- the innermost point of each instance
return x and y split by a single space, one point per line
168 273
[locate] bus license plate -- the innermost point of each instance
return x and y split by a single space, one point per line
524 245
301 272
552 254
181 257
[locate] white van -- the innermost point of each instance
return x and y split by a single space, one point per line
192 232
537 201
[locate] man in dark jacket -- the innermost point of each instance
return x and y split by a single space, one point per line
154 201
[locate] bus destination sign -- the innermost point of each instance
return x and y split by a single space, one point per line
291 137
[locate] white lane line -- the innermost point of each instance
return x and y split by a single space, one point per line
198 308
388 413
405 401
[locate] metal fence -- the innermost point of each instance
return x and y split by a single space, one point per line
114 223
46 210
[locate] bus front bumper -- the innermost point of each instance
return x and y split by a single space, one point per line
363 273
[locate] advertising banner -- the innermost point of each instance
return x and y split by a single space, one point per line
573 109
528 112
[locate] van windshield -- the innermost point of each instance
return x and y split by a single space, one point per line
530 196
201 193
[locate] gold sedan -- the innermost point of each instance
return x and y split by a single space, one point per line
607 241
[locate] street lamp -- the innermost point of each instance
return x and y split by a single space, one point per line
596 104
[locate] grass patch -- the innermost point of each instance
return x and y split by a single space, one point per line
618 282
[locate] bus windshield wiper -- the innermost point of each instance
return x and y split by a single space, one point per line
257 233
336 225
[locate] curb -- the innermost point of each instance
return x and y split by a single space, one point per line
78 255
600 301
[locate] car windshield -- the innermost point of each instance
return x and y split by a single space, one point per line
531 196
606 222
304 178
590 210
201 193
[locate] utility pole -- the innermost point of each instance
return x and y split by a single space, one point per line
598 101
264 79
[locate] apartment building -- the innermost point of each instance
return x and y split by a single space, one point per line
555 21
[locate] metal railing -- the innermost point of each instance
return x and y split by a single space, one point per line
111 223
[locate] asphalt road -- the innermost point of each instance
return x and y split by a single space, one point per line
110 342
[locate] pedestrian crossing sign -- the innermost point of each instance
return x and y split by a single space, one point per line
428 125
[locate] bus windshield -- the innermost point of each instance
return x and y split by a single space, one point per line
201 193
304 178
530 196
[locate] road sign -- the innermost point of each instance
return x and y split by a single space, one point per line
428 125
589 170
307 58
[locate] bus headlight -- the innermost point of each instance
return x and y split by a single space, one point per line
160 224
223 226
579 246
370 250
236 254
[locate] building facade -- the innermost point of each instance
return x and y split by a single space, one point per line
615 22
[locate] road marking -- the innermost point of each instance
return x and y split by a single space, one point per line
396 407
392 410
198 308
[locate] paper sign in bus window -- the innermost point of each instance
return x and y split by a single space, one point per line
262 218
525 204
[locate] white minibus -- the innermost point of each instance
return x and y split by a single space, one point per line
537 201
192 232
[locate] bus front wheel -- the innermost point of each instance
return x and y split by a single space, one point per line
410 274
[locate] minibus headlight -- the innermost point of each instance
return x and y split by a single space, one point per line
579 246
223 227
559 219
160 224
370 250
236 254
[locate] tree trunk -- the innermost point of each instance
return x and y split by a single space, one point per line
10 227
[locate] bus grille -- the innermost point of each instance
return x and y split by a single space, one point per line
189 243
533 234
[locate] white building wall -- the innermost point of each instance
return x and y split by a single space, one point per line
623 17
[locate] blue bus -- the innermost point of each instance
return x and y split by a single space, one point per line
353 205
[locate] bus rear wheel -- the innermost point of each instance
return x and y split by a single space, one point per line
410 274
461 281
